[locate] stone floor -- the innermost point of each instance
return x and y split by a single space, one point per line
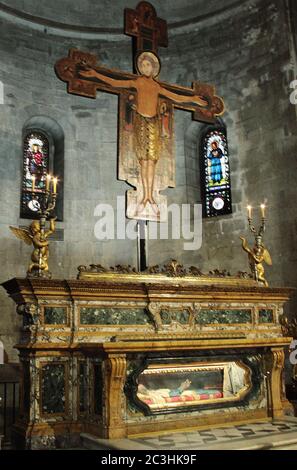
272 435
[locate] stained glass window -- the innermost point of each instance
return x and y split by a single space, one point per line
35 168
215 173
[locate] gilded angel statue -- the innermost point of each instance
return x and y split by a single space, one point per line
257 256
38 237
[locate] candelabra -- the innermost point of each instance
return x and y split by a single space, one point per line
258 254
47 200
258 234
37 234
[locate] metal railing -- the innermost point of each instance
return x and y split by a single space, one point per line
9 404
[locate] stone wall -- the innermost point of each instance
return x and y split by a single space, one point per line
247 56
246 52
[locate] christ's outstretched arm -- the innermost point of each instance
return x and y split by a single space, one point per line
110 81
177 98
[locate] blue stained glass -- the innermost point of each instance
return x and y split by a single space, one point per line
215 173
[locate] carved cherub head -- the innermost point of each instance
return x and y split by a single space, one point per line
258 247
35 227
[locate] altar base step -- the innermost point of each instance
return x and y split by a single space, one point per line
260 435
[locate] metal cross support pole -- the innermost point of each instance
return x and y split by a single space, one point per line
142 245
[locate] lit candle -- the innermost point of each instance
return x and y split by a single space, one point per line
33 183
249 209
263 211
48 180
55 181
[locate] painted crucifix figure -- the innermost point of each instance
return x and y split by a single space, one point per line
146 151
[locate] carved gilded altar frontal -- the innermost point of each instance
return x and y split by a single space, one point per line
162 315
97 320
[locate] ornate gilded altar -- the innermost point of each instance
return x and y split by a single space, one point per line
125 354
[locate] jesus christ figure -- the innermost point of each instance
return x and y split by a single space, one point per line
146 138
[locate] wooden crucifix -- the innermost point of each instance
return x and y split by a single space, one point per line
146 131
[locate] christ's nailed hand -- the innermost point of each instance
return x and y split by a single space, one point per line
87 73
201 101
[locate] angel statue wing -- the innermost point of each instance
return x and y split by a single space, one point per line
267 257
22 234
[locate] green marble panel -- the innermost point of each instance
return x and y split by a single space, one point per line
55 315
53 388
207 316
113 316
266 316
180 316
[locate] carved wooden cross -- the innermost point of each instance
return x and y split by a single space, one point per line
146 132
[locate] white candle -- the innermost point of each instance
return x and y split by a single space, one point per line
249 209
33 183
263 211
55 181
48 180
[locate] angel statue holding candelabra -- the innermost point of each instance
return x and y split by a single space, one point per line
33 235
37 234
258 255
